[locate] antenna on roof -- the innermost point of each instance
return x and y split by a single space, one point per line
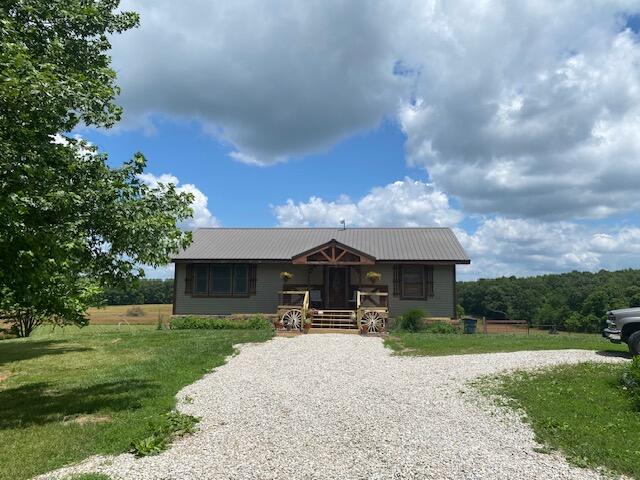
344 223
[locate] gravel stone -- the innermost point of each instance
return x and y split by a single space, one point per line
343 407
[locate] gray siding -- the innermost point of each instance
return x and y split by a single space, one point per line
440 305
268 283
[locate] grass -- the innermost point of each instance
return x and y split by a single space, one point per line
458 344
114 314
582 411
70 393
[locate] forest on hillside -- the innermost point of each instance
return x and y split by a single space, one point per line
575 301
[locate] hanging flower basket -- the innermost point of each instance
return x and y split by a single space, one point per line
286 276
374 276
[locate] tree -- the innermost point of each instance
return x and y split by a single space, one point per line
71 224
583 323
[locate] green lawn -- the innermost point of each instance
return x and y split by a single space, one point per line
456 344
68 394
582 411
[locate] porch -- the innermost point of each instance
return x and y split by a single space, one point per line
369 316
333 293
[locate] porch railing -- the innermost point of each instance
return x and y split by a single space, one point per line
372 310
294 298
293 306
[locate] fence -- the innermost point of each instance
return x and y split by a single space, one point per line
503 326
488 326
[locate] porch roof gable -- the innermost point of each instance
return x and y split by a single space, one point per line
333 253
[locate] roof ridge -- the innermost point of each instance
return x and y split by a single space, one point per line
323 228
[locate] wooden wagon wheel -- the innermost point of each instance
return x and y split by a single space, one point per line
372 320
292 319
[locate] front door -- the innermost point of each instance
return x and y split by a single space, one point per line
337 288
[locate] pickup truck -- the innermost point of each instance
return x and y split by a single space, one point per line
624 326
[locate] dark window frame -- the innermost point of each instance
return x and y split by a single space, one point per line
196 267
191 280
403 282
399 283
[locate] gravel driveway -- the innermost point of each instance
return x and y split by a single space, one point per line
342 407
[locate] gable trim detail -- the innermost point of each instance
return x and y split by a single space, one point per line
333 253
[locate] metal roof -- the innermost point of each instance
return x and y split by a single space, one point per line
270 244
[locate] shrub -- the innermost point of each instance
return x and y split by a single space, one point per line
412 320
441 327
256 322
582 323
631 380
135 311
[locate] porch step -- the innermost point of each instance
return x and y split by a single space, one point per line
334 319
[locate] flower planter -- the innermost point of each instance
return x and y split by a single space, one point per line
373 277
286 276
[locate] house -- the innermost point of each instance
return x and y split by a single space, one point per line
239 270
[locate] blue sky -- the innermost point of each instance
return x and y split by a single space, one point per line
514 123
241 194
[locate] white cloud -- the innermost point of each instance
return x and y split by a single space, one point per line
165 271
202 217
406 202
272 79
505 247
525 109
624 242
534 113
498 246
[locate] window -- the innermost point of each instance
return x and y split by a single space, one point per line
200 274
413 281
221 276
241 279
220 279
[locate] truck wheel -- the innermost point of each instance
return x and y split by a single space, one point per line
634 343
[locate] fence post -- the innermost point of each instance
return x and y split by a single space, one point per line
484 325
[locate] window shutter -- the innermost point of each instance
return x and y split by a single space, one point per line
397 275
428 280
188 280
252 278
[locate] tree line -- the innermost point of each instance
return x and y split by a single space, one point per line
574 301
144 291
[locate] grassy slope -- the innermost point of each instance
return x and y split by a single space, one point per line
128 375
583 411
455 344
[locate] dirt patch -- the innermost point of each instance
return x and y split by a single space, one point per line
88 419
4 376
